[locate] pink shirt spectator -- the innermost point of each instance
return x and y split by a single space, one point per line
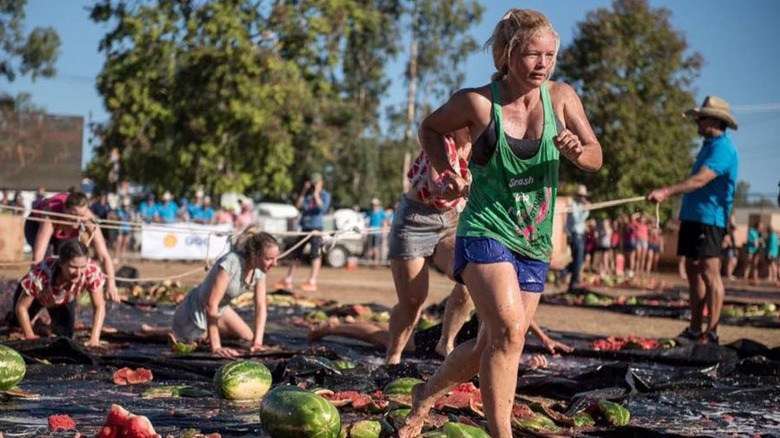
244 219
224 217
641 230
56 204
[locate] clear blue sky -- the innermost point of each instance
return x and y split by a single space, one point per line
738 40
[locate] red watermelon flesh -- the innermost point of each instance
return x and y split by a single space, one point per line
61 422
461 397
122 423
129 376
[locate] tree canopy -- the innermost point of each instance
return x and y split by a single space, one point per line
634 73
21 53
252 96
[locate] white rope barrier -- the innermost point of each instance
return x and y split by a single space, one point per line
75 220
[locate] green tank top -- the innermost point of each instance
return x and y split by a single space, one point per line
513 200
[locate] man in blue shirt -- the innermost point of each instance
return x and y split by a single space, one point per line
708 196
313 202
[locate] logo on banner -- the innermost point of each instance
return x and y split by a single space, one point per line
170 241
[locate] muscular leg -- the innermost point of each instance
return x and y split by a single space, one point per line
456 312
411 287
501 309
459 305
316 264
696 292
460 366
715 293
373 333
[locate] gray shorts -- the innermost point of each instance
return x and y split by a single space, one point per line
418 228
186 328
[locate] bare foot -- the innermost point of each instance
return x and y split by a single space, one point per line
413 423
443 349
321 331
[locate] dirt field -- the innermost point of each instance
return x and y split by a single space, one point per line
374 284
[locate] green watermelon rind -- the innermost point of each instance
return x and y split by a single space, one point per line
291 412
12 367
459 430
366 429
242 379
615 413
401 386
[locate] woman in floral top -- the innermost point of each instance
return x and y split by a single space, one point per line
55 283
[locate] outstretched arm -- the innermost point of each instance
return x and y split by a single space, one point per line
42 239
98 316
261 315
693 182
23 315
216 293
550 344
101 251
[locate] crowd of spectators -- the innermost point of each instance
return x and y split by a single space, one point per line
761 254
625 246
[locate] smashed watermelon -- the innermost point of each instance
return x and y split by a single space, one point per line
129 376
122 423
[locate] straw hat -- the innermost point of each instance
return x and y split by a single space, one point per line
714 106
581 190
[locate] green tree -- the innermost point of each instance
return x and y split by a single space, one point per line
439 46
254 96
742 194
242 95
198 96
634 73
33 53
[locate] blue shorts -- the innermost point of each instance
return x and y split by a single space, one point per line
531 274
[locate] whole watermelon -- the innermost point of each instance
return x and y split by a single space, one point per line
12 367
291 412
242 380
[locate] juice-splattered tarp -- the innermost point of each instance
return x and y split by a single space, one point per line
687 390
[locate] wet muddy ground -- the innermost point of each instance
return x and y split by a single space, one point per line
689 390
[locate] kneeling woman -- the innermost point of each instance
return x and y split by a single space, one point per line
55 283
206 313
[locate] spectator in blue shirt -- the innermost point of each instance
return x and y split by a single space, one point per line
166 210
183 213
314 202
376 220
147 209
706 206
206 213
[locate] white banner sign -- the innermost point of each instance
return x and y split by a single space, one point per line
183 241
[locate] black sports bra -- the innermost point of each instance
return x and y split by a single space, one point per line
485 145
